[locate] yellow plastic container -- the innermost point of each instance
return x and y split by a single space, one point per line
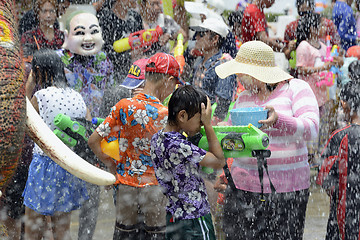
111 148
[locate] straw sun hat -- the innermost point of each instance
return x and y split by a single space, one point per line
256 59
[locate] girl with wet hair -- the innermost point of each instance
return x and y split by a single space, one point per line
50 190
310 56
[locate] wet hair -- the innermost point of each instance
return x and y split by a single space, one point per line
39 3
354 71
310 20
48 69
350 93
188 98
310 3
235 17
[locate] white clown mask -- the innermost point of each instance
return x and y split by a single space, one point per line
85 35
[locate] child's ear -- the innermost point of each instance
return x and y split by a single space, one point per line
182 116
344 105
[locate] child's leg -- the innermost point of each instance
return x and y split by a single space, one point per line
35 224
61 225
126 226
152 203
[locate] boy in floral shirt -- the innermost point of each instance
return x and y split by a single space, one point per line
133 121
177 163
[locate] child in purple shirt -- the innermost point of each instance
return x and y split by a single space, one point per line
178 162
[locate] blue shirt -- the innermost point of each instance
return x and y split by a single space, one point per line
345 22
206 78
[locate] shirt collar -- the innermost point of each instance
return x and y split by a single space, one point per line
212 59
147 97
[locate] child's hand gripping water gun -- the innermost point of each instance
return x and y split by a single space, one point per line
329 77
139 39
179 52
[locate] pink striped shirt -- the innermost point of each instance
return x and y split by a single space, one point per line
298 122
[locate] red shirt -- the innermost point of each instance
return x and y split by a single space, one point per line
253 21
330 29
30 45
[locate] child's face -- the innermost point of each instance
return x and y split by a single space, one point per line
193 125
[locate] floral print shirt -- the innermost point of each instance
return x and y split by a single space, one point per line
176 162
133 121
89 76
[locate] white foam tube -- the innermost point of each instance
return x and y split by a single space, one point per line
60 153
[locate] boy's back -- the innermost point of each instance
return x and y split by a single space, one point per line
340 173
134 121
177 169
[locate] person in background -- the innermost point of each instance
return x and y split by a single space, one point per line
45 35
254 25
309 62
50 190
305 7
210 36
293 119
339 174
29 20
235 19
133 121
178 163
344 19
118 19
151 12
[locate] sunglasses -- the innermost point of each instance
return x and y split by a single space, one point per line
201 34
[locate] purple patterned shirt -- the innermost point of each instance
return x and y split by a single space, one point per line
177 169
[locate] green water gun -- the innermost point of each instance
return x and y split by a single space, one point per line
63 123
237 141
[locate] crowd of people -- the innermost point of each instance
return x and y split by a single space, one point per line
154 106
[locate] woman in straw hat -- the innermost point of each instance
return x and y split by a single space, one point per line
293 119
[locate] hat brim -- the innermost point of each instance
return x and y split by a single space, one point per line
131 83
263 74
198 29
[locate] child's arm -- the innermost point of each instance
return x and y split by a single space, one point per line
214 158
94 143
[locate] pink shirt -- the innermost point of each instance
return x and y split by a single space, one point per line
298 122
308 56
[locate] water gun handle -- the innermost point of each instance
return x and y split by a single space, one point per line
63 122
69 141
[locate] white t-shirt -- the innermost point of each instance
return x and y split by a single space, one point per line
53 101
